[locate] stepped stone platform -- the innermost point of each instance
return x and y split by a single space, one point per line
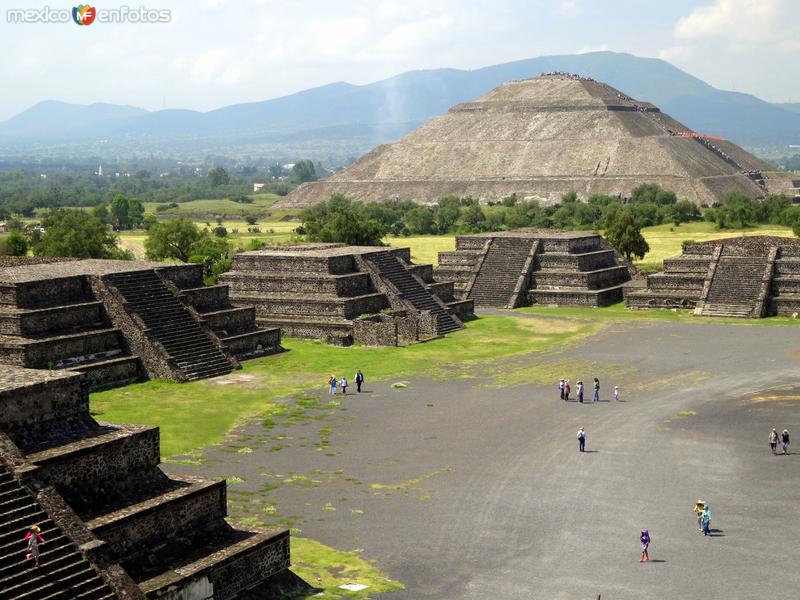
750 276
114 524
543 137
374 295
516 268
123 321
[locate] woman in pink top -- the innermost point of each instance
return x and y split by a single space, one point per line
34 539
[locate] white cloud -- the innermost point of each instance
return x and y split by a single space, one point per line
749 20
568 8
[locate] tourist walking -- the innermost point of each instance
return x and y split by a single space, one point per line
581 440
785 441
567 390
332 385
343 385
561 385
773 441
705 519
580 391
596 397
359 380
616 393
34 539
644 538
698 513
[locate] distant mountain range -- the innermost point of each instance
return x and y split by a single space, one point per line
350 119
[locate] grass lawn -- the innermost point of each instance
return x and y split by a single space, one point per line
196 414
424 248
212 208
618 312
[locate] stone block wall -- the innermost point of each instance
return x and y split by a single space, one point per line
150 527
44 407
98 468
47 320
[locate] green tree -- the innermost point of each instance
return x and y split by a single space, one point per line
446 214
339 220
419 220
625 234
119 212
14 244
218 176
101 212
302 172
135 212
70 232
473 218
251 219
171 239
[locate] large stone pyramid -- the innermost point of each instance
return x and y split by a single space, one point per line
540 138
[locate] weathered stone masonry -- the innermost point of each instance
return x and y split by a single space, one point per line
121 321
751 276
140 533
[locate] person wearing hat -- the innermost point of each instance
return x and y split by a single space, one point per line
34 539
705 517
785 441
561 384
581 440
773 441
698 512
616 393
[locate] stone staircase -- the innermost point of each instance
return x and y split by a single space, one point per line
170 323
411 290
501 269
736 287
64 573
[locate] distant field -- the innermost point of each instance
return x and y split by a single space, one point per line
424 248
665 240
213 208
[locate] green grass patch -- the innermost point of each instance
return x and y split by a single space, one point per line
327 568
409 483
199 413
686 413
617 312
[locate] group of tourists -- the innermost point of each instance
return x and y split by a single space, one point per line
564 390
341 383
565 75
774 438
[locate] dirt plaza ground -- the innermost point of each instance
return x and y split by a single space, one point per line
473 487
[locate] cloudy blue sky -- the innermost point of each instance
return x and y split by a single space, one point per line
218 52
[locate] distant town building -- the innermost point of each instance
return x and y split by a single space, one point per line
99 171
257 187
3 228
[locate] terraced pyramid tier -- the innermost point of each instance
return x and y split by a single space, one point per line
750 276
326 291
161 537
510 269
541 138
122 321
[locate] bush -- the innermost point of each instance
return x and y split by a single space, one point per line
14 244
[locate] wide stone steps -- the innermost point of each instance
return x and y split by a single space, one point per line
411 290
63 573
736 287
170 323
500 272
